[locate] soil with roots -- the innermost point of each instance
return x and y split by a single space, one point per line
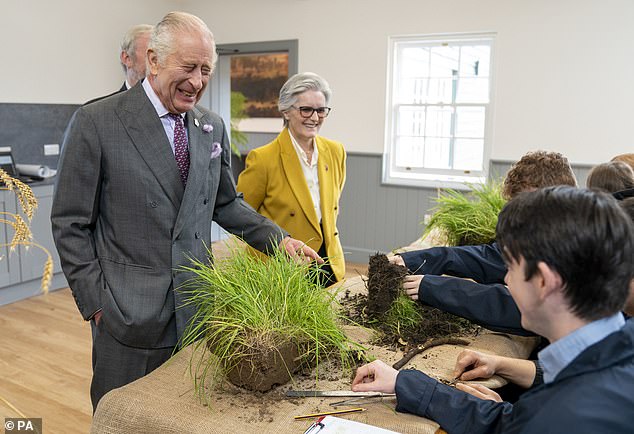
384 285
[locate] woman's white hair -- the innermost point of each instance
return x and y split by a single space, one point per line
300 83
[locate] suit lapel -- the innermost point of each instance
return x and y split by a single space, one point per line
199 156
295 175
148 136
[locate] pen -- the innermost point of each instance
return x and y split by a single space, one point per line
328 413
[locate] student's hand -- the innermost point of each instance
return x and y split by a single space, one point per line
375 377
396 259
411 283
299 251
479 391
473 364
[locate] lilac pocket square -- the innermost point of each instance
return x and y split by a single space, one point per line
216 150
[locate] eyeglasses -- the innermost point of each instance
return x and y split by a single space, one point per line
307 112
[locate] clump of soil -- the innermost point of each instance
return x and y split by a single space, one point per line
265 363
384 286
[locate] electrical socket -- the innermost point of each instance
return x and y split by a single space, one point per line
51 149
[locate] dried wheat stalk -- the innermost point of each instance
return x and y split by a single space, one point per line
22 232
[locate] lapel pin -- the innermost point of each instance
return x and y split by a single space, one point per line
196 122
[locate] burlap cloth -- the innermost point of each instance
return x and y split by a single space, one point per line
164 400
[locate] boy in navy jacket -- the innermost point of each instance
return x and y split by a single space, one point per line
569 254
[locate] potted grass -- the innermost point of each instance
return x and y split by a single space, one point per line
467 218
259 321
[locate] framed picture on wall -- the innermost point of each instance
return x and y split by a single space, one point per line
256 80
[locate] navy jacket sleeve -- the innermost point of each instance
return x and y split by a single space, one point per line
490 306
455 411
481 263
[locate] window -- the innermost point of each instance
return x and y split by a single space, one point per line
438 110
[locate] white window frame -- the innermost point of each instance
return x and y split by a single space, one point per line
428 177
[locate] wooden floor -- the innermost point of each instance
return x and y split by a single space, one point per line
45 365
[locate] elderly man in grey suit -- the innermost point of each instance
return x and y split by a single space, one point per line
142 175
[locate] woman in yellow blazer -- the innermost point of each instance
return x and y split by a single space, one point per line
297 179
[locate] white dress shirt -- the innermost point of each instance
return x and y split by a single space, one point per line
310 173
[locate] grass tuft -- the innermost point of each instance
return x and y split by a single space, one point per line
245 303
467 219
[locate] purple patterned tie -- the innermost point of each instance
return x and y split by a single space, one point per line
181 152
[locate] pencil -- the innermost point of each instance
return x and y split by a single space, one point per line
328 413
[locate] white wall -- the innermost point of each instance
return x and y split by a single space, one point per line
67 51
562 76
563 67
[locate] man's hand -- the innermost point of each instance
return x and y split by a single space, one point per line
473 364
375 377
411 283
479 391
299 251
396 259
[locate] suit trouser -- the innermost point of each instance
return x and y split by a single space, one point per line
115 364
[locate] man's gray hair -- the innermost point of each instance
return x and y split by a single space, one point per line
178 22
128 44
300 83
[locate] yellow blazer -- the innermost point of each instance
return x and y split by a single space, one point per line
274 184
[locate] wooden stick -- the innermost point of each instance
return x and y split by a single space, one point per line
427 345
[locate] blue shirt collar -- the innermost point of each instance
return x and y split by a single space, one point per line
555 357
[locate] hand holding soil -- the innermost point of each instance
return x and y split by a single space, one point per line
411 284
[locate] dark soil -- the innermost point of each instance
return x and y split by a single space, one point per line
266 365
384 286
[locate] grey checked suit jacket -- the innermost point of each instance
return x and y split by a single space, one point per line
123 223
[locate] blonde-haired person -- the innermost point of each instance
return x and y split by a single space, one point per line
626 158
297 179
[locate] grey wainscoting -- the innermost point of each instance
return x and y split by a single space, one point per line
378 217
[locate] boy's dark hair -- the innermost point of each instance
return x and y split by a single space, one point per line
536 170
612 176
584 235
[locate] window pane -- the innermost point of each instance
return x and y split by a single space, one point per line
470 122
409 151
468 154
414 62
440 90
473 90
412 91
444 61
474 61
438 121
437 153
411 121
